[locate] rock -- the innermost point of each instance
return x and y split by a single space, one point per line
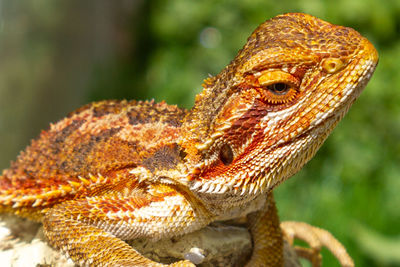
22 243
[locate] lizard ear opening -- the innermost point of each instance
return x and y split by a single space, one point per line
226 154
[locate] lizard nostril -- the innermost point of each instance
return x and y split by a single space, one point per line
332 65
226 154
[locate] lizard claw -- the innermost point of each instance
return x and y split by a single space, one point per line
316 238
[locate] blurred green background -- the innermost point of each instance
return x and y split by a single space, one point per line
58 55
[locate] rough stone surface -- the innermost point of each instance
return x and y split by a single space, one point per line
220 245
22 244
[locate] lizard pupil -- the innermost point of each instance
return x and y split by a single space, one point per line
226 154
279 88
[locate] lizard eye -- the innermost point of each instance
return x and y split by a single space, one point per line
279 88
226 154
278 93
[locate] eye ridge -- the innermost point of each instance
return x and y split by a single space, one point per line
279 88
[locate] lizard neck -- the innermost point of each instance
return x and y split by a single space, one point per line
230 206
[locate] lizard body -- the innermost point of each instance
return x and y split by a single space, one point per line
118 170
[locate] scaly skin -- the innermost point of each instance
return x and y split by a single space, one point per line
118 170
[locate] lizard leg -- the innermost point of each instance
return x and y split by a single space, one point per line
267 236
316 238
91 230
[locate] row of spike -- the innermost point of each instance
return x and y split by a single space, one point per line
43 196
240 186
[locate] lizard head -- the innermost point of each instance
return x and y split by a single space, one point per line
266 114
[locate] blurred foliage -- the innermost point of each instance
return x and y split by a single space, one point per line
164 49
384 250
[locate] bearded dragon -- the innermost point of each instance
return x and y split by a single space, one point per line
118 170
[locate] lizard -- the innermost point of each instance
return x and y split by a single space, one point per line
117 170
